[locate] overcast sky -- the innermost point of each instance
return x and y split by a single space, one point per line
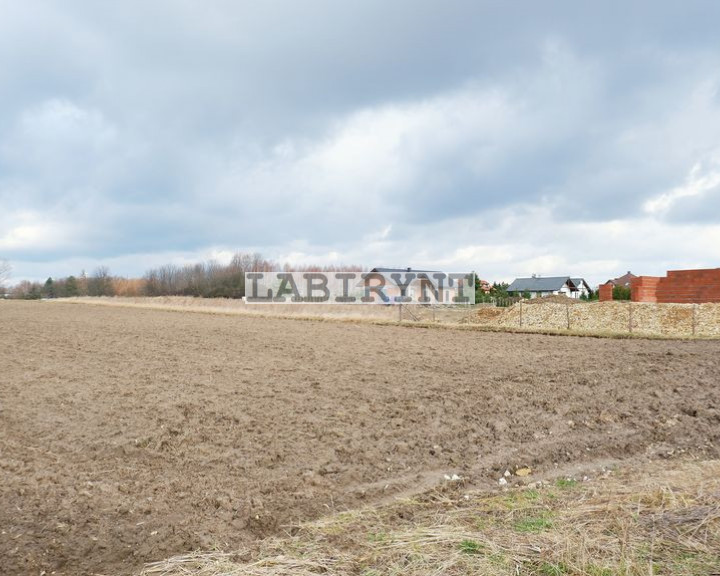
510 138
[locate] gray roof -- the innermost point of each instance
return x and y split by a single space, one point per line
539 284
578 281
382 270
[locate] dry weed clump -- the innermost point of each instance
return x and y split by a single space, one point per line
630 522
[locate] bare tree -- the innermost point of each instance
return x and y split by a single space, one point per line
5 270
100 283
212 279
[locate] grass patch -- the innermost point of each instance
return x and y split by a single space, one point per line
599 571
533 524
565 483
531 495
471 547
548 569
656 519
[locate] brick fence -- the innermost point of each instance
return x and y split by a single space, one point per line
605 292
679 286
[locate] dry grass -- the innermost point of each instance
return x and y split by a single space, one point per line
642 521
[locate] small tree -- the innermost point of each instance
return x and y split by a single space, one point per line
499 289
480 294
71 287
83 284
621 293
27 290
48 290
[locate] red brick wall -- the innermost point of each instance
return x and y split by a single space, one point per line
644 288
605 292
681 286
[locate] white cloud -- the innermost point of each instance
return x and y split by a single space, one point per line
379 156
704 178
399 160
33 231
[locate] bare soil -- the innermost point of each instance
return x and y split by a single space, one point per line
129 435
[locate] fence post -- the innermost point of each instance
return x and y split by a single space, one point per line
567 313
694 319
520 313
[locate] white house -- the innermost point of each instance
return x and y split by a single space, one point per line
538 287
583 288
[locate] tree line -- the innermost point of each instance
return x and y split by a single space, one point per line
99 283
209 279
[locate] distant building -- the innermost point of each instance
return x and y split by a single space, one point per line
485 286
539 287
623 280
583 288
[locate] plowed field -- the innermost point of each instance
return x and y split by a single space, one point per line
130 435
